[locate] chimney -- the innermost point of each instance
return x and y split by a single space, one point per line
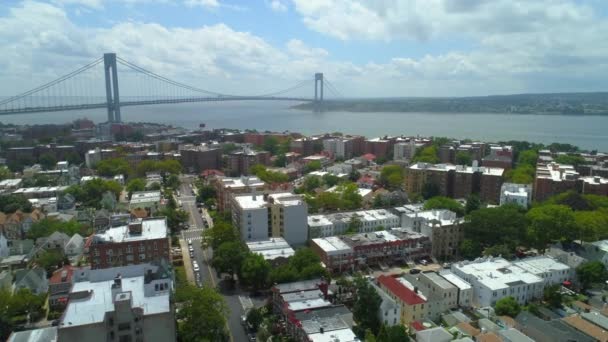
116 286
135 228
321 330
415 289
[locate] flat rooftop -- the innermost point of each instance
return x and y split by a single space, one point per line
303 285
541 264
454 279
342 335
332 245
271 249
145 196
151 229
92 309
250 201
496 273
241 182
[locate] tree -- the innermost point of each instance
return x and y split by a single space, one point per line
311 183
427 155
492 226
394 333
91 192
11 203
175 217
5 173
463 158
271 144
527 157
331 180
48 226
469 249
592 225
229 257
255 318
206 192
136 184
367 303
47 161
172 181
550 222
591 272
113 167
50 260
369 336
507 306
255 271
203 315
220 233
280 161
440 202
553 295
568 159
391 176
312 166
523 174
473 203
504 250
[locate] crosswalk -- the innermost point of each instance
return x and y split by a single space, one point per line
246 303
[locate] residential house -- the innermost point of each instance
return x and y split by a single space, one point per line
101 220
57 240
60 284
66 202
75 246
32 279
15 225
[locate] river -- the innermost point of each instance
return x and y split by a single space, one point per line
587 132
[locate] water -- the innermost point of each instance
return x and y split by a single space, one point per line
587 132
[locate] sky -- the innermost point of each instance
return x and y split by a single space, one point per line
379 48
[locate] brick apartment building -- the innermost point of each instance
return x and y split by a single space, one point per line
140 241
226 187
456 181
199 158
350 252
304 146
240 163
259 138
553 178
380 147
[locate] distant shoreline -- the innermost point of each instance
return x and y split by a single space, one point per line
571 104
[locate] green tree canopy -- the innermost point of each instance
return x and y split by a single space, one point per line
136 184
113 167
391 176
229 257
5 173
220 233
469 249
312 166
255 271
463 158
507 306
202 316
90 192
523 174
473 203
570 159
440 202
492 226
48 226
550 223
528 157
367 304
268 176
591 272
428 154
11 203
47 161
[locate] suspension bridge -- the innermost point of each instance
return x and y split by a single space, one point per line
96 85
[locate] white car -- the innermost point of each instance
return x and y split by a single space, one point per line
195 266
190 242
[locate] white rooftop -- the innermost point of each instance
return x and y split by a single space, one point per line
341 335
332 245
454 279
9 183
362 191
151 229
250 201
145 196
602 245
443 216
496 273
93 308
541 264
318 221
241 182
308 304
271 249
286 199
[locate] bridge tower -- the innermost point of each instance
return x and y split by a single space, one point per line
112 96
319 87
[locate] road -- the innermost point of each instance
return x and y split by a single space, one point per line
235 299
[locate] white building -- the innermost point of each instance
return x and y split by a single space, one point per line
338 223
520 194
336 147
130 303
549 269
465 291
389 312
404 150
496 278
146 200
271 249
260 217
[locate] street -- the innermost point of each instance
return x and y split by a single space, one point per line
235 300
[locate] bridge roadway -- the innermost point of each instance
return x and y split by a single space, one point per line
28 110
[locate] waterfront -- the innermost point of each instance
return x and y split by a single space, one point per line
588 132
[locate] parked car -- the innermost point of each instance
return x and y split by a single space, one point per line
414 271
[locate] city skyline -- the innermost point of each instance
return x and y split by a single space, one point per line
413 48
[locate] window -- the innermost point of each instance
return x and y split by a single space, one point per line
142 256
124 326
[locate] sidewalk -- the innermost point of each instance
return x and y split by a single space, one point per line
187 261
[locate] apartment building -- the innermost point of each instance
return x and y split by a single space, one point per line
363 221
405 151
226 187
389 312
379 147
240 162
141 241
547 268
130 303
441 295
304 146
496 278
350 252
440 175
201 157
465 290
444 229
259 217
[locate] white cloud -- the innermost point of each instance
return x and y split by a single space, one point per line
559 51
202 3
277 5
94 4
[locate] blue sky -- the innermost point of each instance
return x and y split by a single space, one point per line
367 48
